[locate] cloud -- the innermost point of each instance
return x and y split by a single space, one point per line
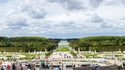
18 24
62 18
3 1
70 4
106 26
95 3
36 13
96 19
111 12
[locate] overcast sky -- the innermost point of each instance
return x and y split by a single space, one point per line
62 18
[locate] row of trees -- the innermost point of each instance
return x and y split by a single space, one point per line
99 43
27 43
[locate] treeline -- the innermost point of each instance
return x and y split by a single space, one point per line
15 44
99 43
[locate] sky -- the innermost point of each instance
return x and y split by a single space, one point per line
62 18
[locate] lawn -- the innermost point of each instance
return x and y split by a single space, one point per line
90 55
62 49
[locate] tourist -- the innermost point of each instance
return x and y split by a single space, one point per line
8 67
13 67
2 68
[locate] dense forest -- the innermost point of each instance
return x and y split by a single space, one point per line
15 44
99 43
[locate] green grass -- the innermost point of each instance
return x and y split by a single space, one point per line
49 53
73 53
91 55
62 49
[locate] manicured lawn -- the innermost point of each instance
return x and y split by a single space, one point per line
91 55
61 49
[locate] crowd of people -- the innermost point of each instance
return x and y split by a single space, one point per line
60 56
17 65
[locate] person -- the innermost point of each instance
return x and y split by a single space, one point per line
21 67
48 66
40 67
29 66
43 64
32 66
24 67
8 67
2 68
13 67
